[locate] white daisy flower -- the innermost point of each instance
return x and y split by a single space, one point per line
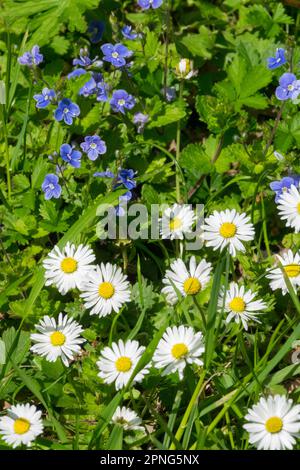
185 69
240 305
186 281
177 221
117 363
69 267
273 422
57 339
106 290
128 419
228 229
178 347
289 208
291 266
21 425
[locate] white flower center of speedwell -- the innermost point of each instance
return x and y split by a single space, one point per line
237 304
175 223
179 350
68 265
66 110
57 338
292 270
123 364
290 87
274 424
21 425
115 55
192 286
106 290
46 97
51 186
227 230
121 102
93 146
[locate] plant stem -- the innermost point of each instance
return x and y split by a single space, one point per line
276 123
125 257
178 143
189 409
166 49
7 158
200 311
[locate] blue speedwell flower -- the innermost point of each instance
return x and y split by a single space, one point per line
116 54
278 60
170 93
146 4
44 98
70 155
67 111
51 186
102 91
105 174
95 31
126 177
31 58
284 185
76 73
289 87
128 33
84 58
121 101
93 146
140 120
123 178
89 88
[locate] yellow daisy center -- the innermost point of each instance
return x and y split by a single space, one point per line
175 223
292 270
57 338
192 286
21 425
227 230
106 290
237 304
68 265
298 207
123 364
274 424
179 350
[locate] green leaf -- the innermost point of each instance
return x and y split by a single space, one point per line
200 44
256 101
194 160
216 113
2 352
116 438
172 113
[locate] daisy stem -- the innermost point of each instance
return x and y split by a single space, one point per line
125 257
198 390
227 418
7 158
265 232
178 143
200 311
